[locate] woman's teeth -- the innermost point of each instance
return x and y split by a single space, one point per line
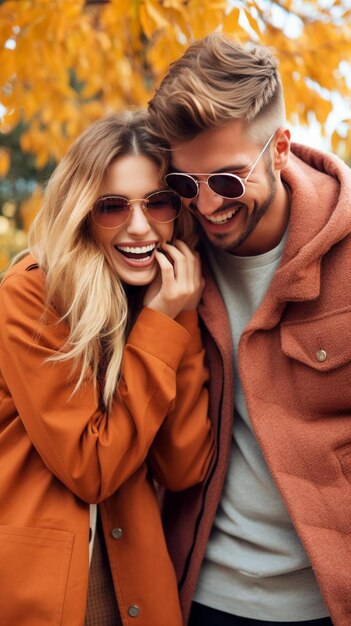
220 218
138 253
137 249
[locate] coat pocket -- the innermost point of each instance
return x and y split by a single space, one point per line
319 366
323 343
34 566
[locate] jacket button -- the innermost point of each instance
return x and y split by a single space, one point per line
116 533
321 356
133 611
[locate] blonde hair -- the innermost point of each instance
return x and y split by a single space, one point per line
215 81
80 283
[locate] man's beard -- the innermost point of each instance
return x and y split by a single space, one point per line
257 214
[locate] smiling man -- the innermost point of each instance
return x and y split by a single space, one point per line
263 541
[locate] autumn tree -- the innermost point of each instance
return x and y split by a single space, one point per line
64 63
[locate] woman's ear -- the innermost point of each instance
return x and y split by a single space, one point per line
281 148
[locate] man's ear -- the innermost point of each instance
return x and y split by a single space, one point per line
281 148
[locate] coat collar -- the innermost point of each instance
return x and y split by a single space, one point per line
213 312
320 185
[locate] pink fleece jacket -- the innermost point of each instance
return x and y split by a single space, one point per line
299 404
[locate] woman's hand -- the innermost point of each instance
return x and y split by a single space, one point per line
179 284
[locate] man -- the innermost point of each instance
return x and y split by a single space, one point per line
267 539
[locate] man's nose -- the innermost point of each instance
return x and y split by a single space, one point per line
207 201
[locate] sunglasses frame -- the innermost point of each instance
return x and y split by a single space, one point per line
130 211
209 176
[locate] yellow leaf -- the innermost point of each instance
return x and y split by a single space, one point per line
5 161
253 23
147 23
153 8
231 22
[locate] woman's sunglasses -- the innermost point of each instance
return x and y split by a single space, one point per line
113 211
224 184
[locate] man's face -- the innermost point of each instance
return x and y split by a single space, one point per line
255 222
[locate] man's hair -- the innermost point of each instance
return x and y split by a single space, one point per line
215 81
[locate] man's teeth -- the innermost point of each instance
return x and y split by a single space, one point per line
137 249
221 217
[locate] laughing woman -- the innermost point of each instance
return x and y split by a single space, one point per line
102 390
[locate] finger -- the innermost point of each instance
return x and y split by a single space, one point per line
167 269
193 263
179 261
184 248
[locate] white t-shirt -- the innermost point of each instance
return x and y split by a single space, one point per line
255 564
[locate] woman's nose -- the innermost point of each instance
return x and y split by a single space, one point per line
138 223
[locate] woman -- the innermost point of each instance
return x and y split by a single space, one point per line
102 390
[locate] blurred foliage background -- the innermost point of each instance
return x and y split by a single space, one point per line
65 63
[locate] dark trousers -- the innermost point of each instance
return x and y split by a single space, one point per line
205 616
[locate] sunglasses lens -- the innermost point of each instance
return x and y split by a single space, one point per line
226 185
183 184
111 211
164 206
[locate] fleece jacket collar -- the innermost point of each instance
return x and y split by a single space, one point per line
320 216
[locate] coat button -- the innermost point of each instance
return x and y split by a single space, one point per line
321 356
133 611
116 533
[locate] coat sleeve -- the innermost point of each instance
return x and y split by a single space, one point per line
183 448
90 451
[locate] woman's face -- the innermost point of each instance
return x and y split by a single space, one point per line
130 248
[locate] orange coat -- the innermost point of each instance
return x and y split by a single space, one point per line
60 453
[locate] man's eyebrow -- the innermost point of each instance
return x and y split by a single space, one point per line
221 170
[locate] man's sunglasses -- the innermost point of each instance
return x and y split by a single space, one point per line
113 211
224 184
